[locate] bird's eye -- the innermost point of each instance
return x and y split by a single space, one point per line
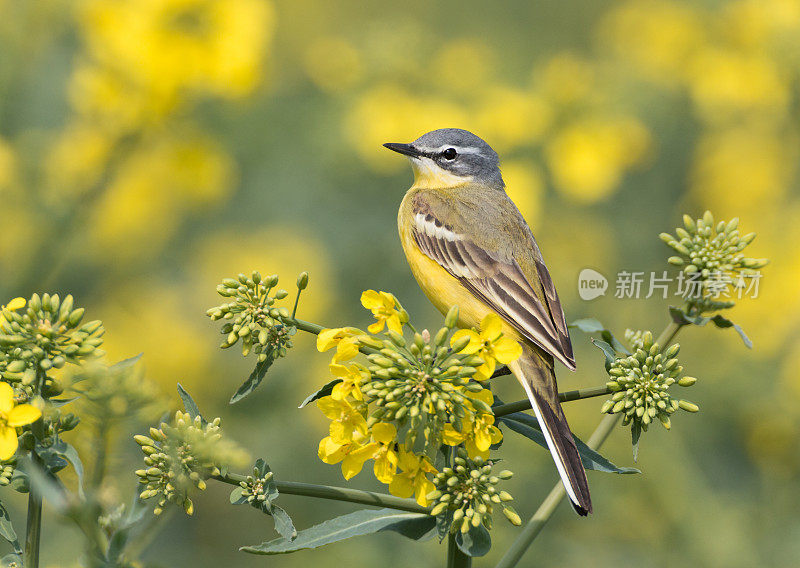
450 154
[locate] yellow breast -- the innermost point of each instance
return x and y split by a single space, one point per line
441 288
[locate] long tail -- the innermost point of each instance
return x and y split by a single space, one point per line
539 381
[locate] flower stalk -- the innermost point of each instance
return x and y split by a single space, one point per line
335 493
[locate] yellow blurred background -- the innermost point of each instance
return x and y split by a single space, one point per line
149 148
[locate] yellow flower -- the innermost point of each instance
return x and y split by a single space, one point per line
352 376
332 452
476 435
384 307
381 449
347 422
413 480
13 305
12 416
343 338
489 345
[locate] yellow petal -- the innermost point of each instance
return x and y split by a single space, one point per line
330 452
423 486
16 304
385 468
327 338
371 300
474 341
376 327
491 327
384 433
402 486
487 369
330 407
482 439
507 350
6 398
23 414
485 395
394 324
451 436
8 442
354 462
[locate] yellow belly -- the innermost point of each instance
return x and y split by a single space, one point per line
441 288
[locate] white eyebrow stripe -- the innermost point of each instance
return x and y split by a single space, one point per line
459 149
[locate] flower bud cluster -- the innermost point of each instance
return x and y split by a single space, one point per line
707 247
252 317
469 491
46 334
640 383
259 489
179 457
423 384
7 469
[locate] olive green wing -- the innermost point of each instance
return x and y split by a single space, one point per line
496 278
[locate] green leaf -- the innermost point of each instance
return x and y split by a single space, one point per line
255 377
528 426
125 363
682 318
237 496
189 405
607 350
7 529
443 523
636 432
283 523
42 482
475 542
68 452
591 325
587 325
368 521
323 392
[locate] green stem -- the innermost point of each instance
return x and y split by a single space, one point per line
336 494
551 502
566 396
34 528
456 558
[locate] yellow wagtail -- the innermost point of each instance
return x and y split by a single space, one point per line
468 245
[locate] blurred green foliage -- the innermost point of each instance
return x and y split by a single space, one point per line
149 148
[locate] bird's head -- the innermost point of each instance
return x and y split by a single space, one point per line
449 157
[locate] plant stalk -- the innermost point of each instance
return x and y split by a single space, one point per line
553 499
33 532
455 557
337 494
566 396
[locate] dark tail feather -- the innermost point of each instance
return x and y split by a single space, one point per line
538 380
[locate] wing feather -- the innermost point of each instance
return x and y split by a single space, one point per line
501 284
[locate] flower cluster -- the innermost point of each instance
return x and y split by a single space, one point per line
711 251
252 316
180 456
7 470
258 489
640 384
411 396
46 335
468 491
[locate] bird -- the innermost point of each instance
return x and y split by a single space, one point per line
469 246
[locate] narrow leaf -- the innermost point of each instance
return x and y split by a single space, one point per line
283 523
189 405
529 427
7 529
587 325
323 392
125 363
68 452
359 523
255 378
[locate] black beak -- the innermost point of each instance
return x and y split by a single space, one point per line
406 149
